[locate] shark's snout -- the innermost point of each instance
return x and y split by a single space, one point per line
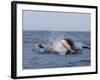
40 45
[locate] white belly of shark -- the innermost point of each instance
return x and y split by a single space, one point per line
62 49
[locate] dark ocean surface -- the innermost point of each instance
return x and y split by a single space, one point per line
37 58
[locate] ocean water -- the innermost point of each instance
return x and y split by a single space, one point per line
37 58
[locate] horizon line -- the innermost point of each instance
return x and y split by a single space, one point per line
56 30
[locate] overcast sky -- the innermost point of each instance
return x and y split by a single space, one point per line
56 21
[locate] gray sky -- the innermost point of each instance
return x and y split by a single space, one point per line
56 21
